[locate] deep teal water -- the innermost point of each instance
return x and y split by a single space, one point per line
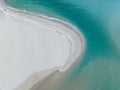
99 21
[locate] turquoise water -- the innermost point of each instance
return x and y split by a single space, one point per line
99 21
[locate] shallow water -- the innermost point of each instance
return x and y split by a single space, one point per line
99 21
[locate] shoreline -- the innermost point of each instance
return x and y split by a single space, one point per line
36 17
73 35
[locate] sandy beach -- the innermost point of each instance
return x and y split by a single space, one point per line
31 44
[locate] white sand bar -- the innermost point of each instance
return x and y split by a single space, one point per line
30 44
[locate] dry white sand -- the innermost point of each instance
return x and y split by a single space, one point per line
30 44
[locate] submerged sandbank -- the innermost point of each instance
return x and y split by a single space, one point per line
30 43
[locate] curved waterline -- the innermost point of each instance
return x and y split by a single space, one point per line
75 30
71 33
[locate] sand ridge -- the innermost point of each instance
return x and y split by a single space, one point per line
31 44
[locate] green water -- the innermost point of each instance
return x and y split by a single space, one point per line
99 21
